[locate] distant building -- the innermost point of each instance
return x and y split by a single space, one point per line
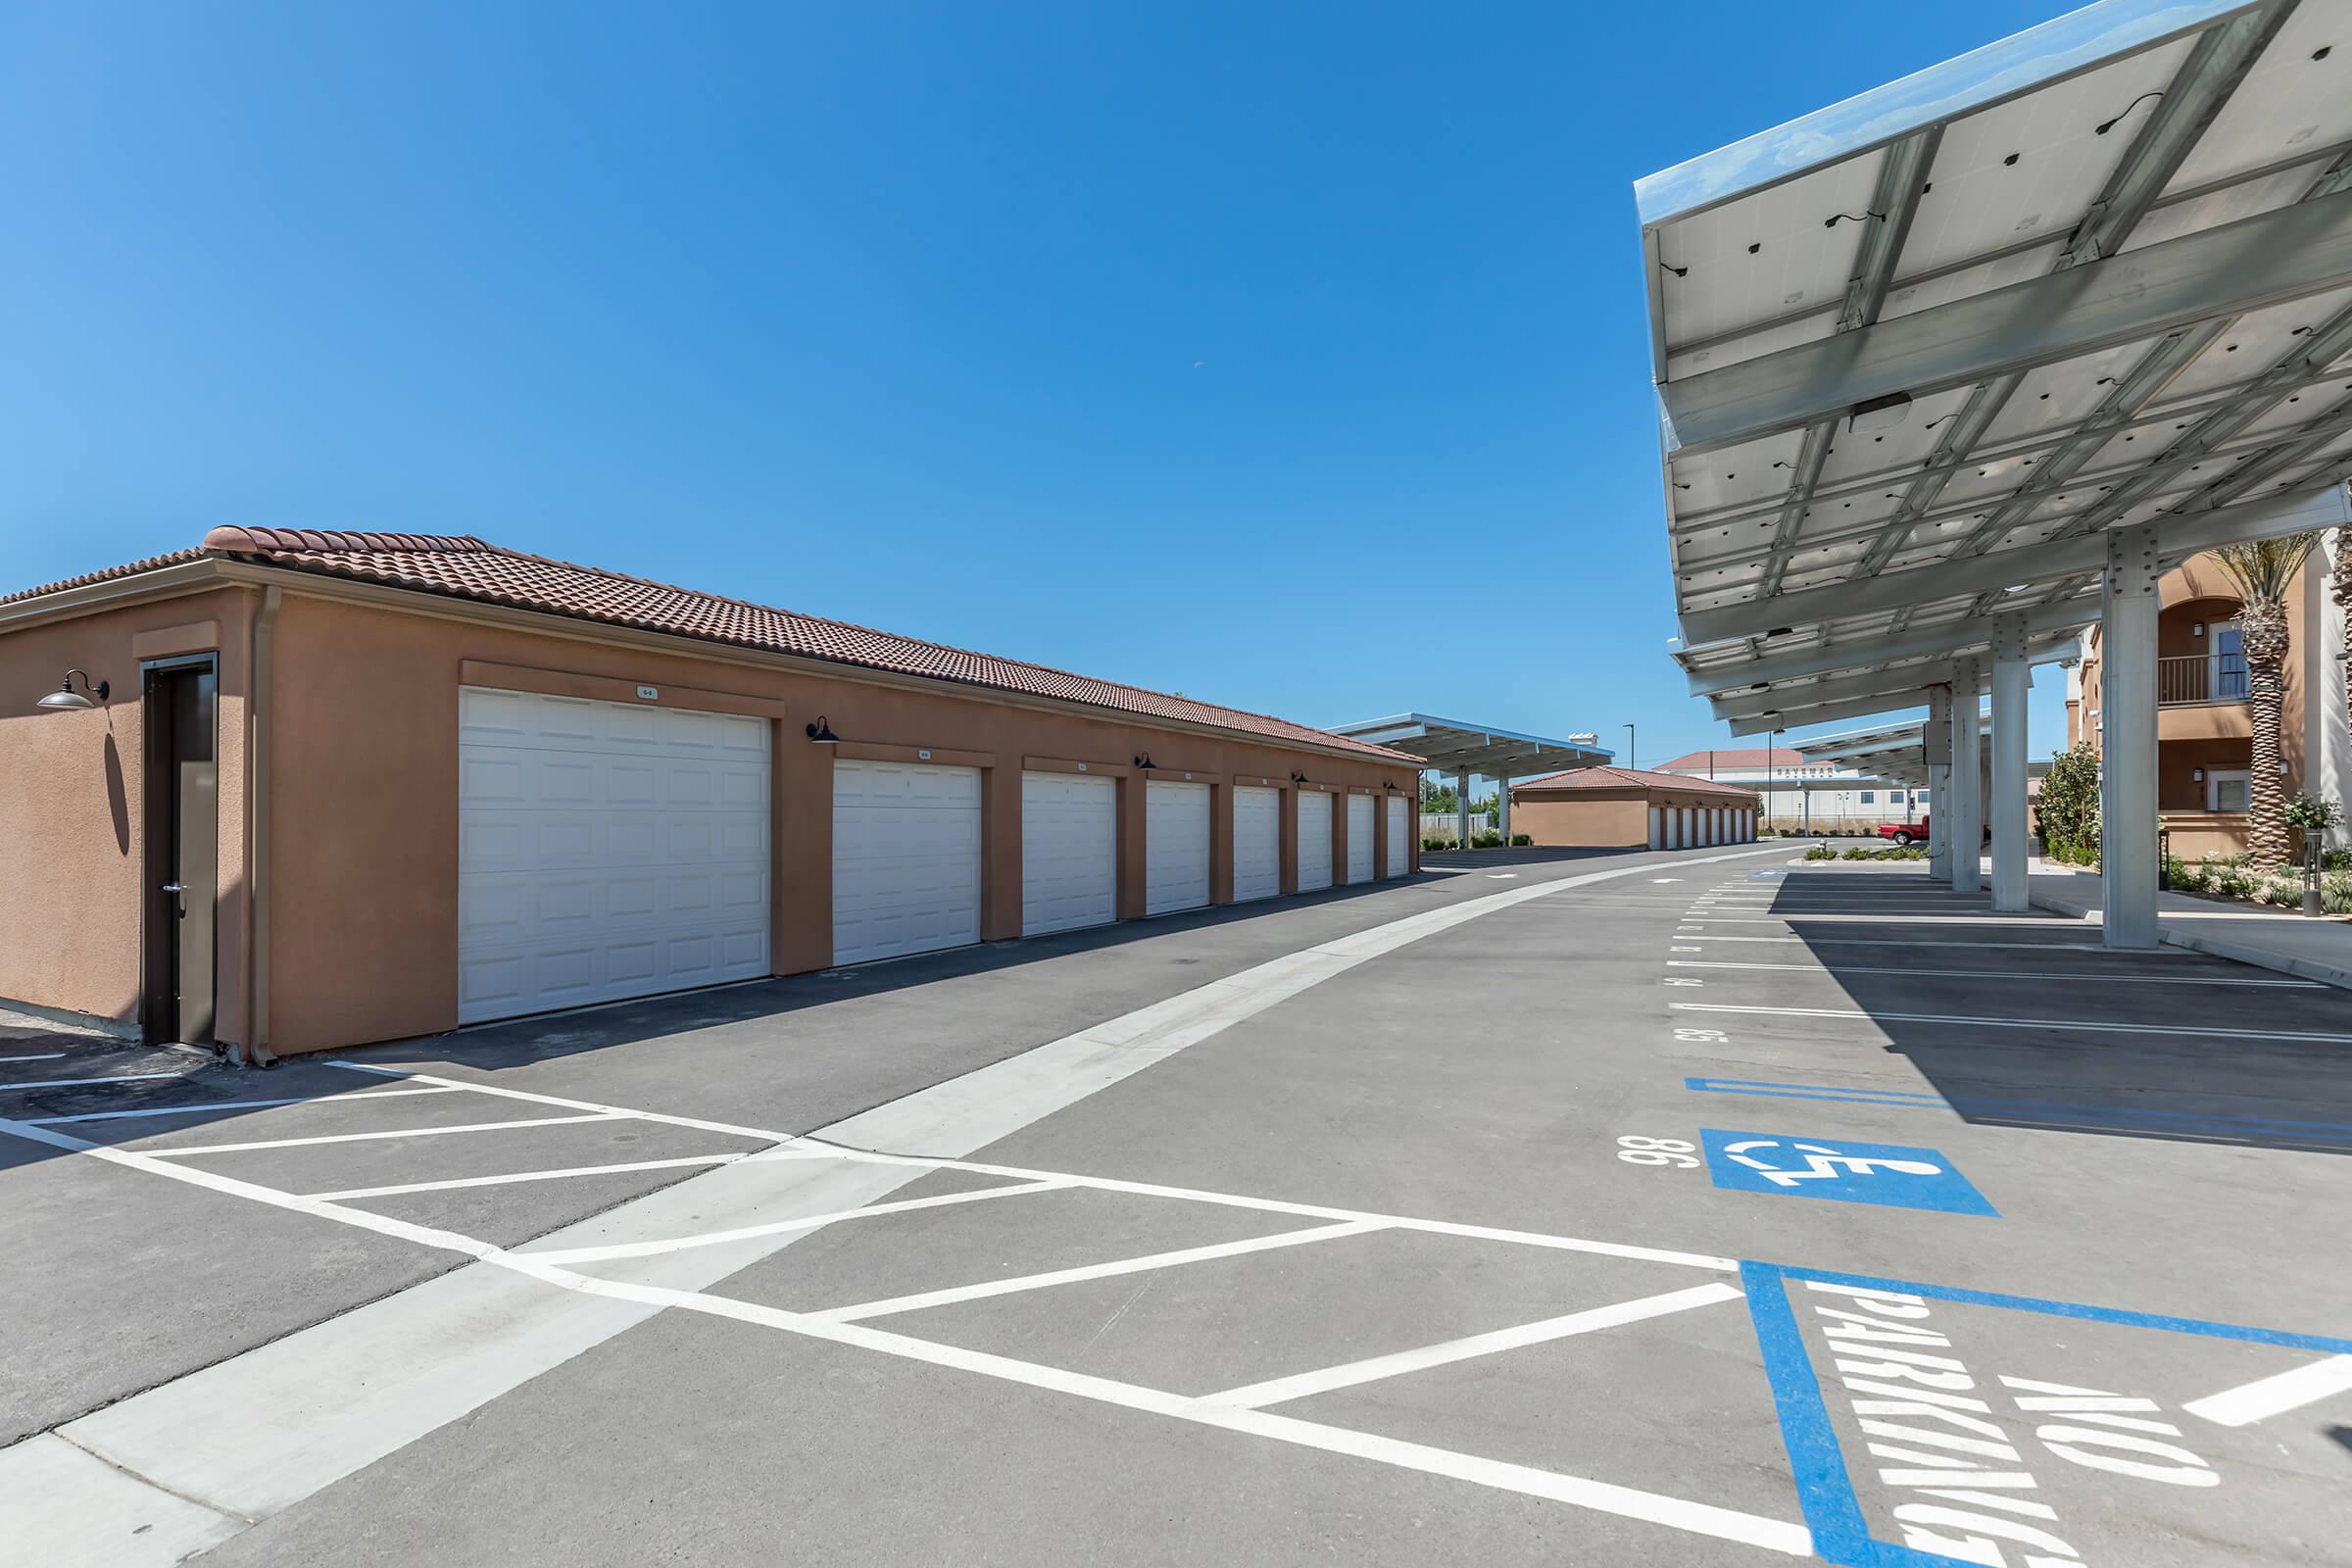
1857 807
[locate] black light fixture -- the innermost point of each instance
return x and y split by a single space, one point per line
821 732
1145 763
66 700
1297 777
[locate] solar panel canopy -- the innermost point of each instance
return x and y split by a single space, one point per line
1918 354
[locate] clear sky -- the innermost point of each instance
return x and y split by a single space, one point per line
1289 356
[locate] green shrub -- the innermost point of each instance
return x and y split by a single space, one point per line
2335 893
1525 841
1488 840
2313 813
2231 882
1433 841
2192 878
1820 852
2335 860
2286 893
2066 812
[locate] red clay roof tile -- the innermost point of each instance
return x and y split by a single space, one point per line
466 568
1618 778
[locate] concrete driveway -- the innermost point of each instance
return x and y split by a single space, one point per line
1685 1208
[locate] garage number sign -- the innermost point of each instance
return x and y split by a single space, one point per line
649 693
1894 1175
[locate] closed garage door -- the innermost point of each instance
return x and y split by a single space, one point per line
906 858
1256 843
1360 838
1175 847
1314 840
1069 851
1401 847
605 850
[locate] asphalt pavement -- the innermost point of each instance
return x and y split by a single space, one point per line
1664 1208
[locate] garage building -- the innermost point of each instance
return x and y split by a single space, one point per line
303 790
1632 808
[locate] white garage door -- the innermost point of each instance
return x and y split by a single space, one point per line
1360 838
605 850
1401 847
1175 847
1256 843
906 858
1314 840
1069 851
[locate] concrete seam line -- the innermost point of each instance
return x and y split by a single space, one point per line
509 1339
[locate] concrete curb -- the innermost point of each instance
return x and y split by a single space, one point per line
2234 951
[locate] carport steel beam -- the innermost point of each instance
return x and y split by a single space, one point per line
2178 538
1863 652
2270 259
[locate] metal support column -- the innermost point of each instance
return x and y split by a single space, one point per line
1502 809
1968 782
2011 680
1937 744
1461 810
2127 747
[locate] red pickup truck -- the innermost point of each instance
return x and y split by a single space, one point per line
1905 834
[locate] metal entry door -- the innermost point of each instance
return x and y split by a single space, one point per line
183 852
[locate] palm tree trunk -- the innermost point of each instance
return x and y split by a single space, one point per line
2339 588
2263 630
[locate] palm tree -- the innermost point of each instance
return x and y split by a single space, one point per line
2265 570
2339 588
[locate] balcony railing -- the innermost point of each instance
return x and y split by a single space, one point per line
2200 678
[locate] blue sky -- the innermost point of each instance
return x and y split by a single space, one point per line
1291 356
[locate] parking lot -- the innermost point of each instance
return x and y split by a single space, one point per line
1657 1207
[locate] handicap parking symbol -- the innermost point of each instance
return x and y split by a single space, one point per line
1892 1174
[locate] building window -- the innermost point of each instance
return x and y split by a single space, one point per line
1895 797
2227 790
1870 797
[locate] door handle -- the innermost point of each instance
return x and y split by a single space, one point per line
174 887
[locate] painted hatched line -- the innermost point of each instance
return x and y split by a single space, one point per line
2276 1394
955 1294
1605 1496
1829 971
513 1176
84 1083
228 1104
1280 1391
2199 1029
1904 1099
679 1244
390 1132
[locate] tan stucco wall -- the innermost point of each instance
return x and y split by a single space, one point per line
364 799
71 801
1595 819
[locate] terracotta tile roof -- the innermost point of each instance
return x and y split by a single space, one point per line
1736 761
1619 779
465 567
150 564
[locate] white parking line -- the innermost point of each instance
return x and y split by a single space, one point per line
77 1083
2191 1027
681 1244
512 1177
1834 971
229 1105
1896 917
389 1132
1097 1271
42 1055
2276 1394
1279 1391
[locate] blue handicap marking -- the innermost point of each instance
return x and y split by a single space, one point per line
1839 1168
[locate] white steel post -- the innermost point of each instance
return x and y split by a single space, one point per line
1968 782
2127 751
2012 680
1502 809
1940 783
1461 810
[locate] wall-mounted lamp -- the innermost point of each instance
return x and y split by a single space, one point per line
1297 777
2282 771
2196 775
821 732
1145 763
1388 784
2197 628
66 699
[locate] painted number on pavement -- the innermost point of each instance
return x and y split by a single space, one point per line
1840 1169
1637 1150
